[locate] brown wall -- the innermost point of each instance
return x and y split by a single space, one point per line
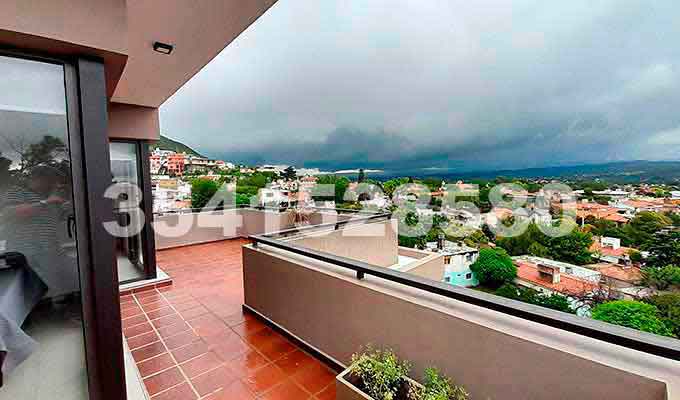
238 222
493 355
374 243
100 24
133 122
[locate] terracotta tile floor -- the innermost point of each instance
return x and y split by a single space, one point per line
192 340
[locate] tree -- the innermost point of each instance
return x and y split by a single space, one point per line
494 267
635 256
289 173
202 190
362 176
390 186
641 229
632 314
572 248
661 278
669 309
664 249
340 184
553 301
538 250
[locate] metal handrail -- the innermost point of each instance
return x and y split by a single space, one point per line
614 334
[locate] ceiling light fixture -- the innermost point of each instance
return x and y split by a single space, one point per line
163 48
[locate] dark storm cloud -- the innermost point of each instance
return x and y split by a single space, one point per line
403 84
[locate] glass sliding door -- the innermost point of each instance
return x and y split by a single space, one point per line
127 209
42 350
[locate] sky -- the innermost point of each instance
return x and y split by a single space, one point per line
440 85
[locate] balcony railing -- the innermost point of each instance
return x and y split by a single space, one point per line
334 313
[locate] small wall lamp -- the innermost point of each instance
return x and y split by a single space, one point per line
163 48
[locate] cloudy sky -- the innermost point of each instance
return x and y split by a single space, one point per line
402 84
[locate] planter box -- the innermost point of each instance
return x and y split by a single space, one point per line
346 390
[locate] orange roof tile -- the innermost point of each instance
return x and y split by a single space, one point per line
568 285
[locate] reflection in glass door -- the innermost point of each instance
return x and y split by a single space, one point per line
42 353
127 210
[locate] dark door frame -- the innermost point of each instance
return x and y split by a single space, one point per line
147 234
87 119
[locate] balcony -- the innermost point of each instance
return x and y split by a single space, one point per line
277 316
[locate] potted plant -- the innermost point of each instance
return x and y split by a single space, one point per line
380 375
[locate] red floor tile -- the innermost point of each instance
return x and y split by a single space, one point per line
181 392
201 364
161 312
142 340
328 393
190 351
288 390
146 352
212 381
136 320
293 362
194 313
137 330
155 365
167 321
314 378
181 339
263 379
171 330
235 390
245 363
164 380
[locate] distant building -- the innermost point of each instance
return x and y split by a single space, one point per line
608 249
457 261
175 164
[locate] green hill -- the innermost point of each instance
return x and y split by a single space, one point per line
165 143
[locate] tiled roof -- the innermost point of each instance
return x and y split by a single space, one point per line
568 285
596 247
631 275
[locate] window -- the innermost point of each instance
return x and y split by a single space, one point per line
468 276
39 259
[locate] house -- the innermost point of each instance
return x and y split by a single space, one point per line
624 281
550 279
457 261
608 249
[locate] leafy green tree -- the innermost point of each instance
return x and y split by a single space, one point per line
527 295
390 186
632 314
412 242
664 249
340 184
289 173
242 199
572 248
641 229
538 250
669 309
661 278
202 190
635 256
494 267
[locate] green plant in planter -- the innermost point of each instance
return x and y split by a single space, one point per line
381 372
438 387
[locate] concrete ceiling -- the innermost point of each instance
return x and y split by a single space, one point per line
198 30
